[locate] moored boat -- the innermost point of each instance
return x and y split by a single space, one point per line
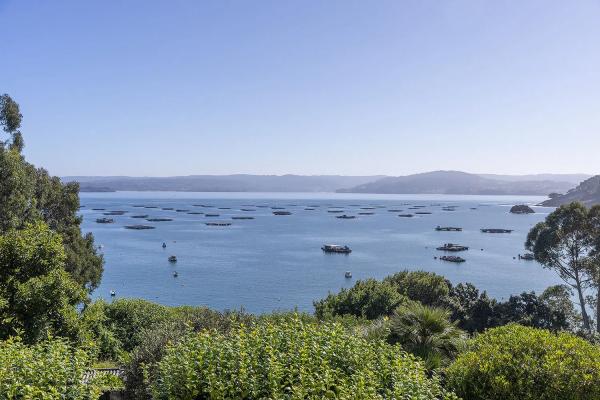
346 216
448 228
527 256
282 213
336 248
454 259
173 259
452 247
496 230
105 220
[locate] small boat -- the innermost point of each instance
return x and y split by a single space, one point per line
167 208
348 274
247 209
367 208
211 215
454 259
172 259
309 209
113 293
452 247
175 274
105 220
195 213
448 229
150 206
336 248
423 212
366 213
335 211
282 213
241 217
405 215
164 245
159 219
140 216
527 256
277 208
98 209
346 216
218 223
181 210
495 230
224 208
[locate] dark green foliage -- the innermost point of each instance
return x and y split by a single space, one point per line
425 287
28 195
369 299
10 121
530 310
427 333
564 242
473 310
17 202
519 363
37 296
290 360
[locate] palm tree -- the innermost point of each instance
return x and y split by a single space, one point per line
426 332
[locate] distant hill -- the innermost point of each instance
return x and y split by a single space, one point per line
571 178
456 182
437 182
221 183
587 192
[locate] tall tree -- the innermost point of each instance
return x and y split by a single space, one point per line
28 194
564 243
594 264
10 120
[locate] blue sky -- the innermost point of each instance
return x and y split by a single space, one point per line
307 87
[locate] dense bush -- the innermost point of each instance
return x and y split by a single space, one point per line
474 311
369 299
37 296
520 363
290 360
47 370
151 341
425 287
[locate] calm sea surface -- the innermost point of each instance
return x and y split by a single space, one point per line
275 262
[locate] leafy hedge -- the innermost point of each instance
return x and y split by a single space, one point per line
515 362
48 370
290 359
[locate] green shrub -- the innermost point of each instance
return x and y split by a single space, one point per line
290 359
519 363
425 287
370 299
47 370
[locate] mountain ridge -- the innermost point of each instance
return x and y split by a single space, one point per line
435 182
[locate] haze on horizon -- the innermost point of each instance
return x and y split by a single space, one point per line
147 88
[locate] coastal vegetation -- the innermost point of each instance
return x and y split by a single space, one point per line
412 335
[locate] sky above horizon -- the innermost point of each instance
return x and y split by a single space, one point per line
159 88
